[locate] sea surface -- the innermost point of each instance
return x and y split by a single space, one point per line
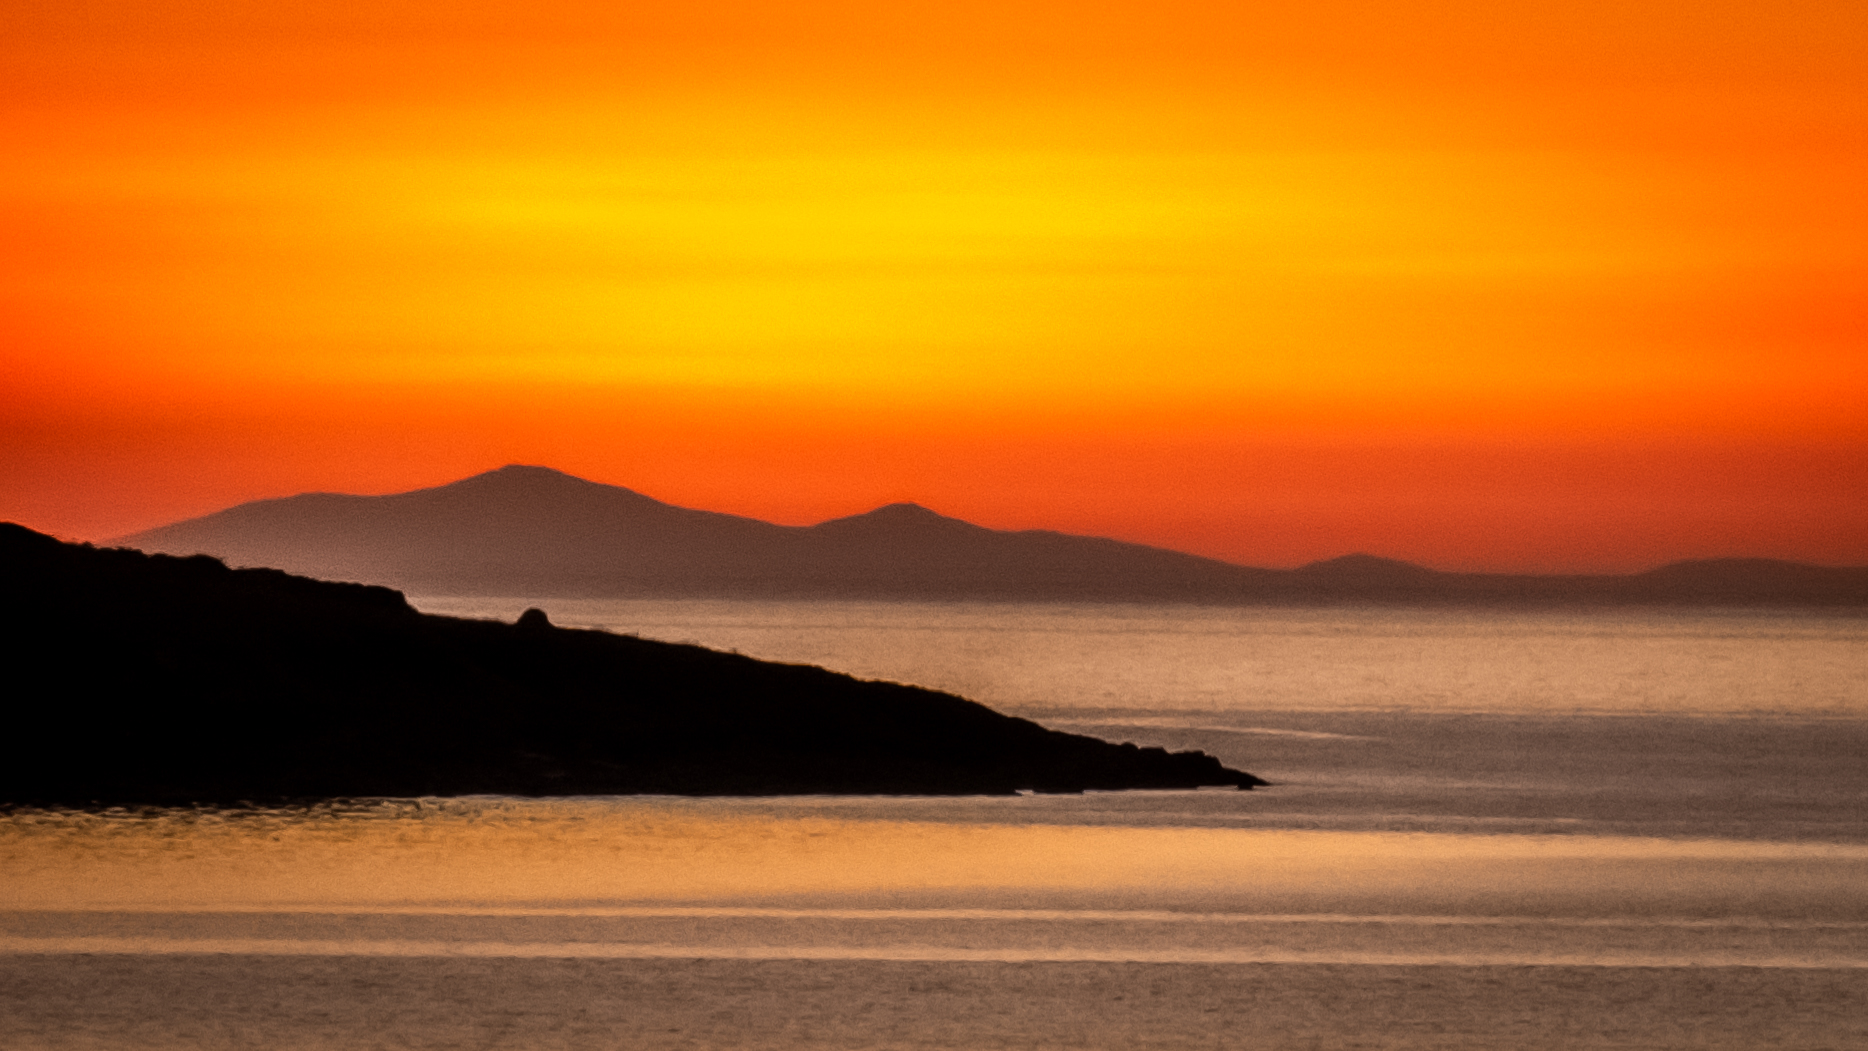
1486 830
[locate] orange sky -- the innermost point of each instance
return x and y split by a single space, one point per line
1507 286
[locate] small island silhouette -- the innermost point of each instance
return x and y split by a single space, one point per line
142 679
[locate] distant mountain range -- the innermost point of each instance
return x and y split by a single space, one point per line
533 531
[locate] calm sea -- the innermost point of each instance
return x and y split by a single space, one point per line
1520 830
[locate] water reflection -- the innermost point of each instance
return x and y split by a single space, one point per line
819 924
492 854
1158 658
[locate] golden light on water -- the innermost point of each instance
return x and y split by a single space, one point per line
597 854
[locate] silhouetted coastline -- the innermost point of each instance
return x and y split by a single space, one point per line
140 679
535 531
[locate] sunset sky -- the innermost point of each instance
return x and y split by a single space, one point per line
1529 286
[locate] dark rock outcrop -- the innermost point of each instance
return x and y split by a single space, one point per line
142 679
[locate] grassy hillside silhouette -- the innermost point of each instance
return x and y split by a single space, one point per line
162 680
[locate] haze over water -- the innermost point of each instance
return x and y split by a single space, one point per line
1522 830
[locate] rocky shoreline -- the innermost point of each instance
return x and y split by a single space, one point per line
156 680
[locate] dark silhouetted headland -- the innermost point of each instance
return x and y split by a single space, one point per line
536 531
143 679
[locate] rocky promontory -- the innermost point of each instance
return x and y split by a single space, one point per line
151 679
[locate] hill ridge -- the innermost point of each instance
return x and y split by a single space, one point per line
528 529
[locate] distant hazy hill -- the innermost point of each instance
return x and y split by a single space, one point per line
136 678
536 531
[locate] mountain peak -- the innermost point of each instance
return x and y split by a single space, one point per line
519 473
902 515
905 511
518 481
